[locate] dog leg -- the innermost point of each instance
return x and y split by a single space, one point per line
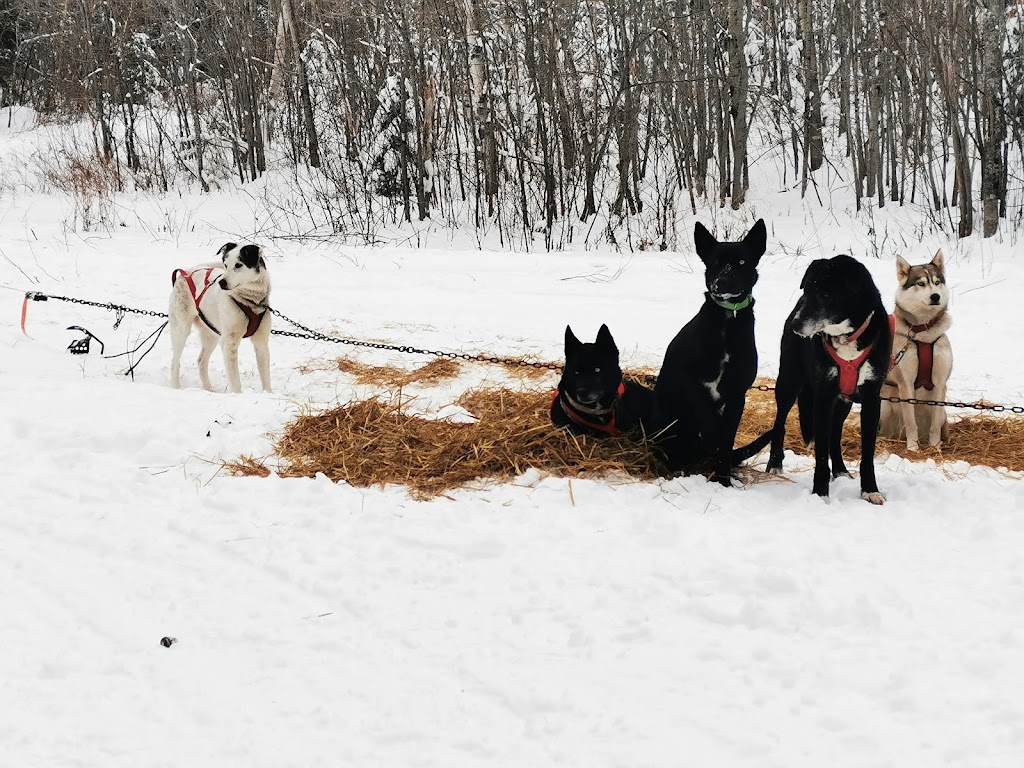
839 414
787 389
179 336
909 417
229 346
943 367
262 361
824 410
937 427
209 340
870 409
731 415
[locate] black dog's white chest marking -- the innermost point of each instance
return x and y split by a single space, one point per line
712 386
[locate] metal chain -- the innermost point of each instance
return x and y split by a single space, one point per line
958 404
309 333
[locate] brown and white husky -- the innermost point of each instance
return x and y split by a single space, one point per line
922 355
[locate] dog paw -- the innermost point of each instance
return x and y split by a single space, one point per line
913 447
723 480
875 497
824 497
841 473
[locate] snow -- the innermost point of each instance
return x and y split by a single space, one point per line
539 622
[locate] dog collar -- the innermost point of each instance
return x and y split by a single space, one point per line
575 411
838 341
732 306
926 327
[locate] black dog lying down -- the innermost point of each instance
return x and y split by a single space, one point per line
835 351
592 397
711 363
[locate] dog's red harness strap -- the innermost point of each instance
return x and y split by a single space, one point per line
207 282
254 318
924 366
848 369
609 429
925 350
190 280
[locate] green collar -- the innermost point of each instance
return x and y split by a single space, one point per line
731 306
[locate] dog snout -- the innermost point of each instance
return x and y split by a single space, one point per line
223 283
935 298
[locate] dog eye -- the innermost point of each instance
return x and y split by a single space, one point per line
742 262
597 370
238 266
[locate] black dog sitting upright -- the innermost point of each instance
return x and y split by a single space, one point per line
835 351
592 397
711 363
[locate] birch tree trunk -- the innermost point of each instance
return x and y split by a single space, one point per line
306 103
814 149
486 146
993 172
739 85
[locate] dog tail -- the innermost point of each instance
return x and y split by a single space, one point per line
751 449
805 404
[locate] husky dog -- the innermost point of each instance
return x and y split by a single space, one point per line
592 397
922 355
225 302
835 351
709 365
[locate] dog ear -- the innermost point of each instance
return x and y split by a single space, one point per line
704 240
572 344
250 256
939 262
902 270
225 248
605 340
757 239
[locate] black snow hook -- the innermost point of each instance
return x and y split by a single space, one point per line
81 346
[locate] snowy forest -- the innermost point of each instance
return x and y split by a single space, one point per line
534 116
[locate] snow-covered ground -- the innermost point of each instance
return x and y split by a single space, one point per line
626 624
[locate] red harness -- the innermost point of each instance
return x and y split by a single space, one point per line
925 351
849 369
574 415
253 319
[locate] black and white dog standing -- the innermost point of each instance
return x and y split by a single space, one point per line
835 352
226 302
710 364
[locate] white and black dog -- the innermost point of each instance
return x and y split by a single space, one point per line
922 355
835 352
226 302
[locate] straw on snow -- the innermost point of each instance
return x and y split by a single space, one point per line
373 442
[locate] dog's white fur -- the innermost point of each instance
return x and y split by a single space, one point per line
232 279
914 306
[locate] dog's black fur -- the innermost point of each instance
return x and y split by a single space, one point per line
837 292
588 400
711 363
249 256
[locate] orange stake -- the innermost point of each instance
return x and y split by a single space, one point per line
24 311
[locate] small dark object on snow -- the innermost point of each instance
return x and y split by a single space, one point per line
81 346
167 642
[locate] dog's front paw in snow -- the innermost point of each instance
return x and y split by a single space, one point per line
875 497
